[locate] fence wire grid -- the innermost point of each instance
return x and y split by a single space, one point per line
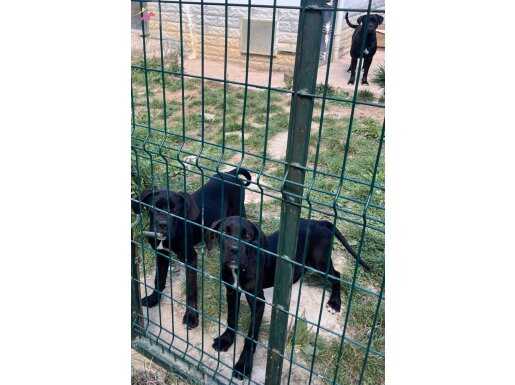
207 97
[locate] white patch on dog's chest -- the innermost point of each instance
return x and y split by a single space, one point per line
161 247
235 277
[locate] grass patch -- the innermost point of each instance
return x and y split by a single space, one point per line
321 88
368 128
288 81
348 363
365 95
157 159
330 359
300 336
379 76
153 376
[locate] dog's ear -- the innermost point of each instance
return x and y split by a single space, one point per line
144 197
379 19
256 237
211 236
192 210
360 19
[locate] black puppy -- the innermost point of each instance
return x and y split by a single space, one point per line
370 48
171 234
241 261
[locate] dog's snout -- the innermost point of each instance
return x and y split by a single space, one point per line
234 248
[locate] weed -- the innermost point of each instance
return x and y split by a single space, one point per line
154 375
347 365
366 95
343 363
354 190
379 79
146 377
321 88
288 81
300 335
379 76
368 128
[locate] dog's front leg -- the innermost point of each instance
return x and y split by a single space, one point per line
190 318
162 263
366 67
224 342
353 65
257 307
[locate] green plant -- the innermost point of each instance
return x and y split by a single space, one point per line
335 187
321 88
172 61
378 77
366 95
288 81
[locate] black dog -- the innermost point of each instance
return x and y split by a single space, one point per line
370 44
241 261
171 234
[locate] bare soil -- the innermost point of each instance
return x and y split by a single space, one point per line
338 75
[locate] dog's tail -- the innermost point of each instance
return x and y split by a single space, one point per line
348 21
347 246
241 171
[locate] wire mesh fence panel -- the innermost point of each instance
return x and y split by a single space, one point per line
258 190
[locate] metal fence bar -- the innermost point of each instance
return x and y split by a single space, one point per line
278 190
372 330
308 196
347 9
280 162
219 162
308 269
136 310
259 87
304 82
342 185
363 229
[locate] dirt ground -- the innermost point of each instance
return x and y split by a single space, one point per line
338 75
146 372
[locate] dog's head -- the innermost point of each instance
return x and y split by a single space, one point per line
161 202
374 20
236 251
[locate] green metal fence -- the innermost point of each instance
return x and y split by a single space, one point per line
188 125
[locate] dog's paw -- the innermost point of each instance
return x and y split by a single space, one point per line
364 82
351 81
190 319
242 369
223 343
150 300
334 305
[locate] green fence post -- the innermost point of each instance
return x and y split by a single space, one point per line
304 84
136 311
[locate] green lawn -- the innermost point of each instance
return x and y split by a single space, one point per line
173 127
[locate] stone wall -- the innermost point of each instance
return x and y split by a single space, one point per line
214 34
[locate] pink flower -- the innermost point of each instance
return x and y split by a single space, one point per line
147 15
